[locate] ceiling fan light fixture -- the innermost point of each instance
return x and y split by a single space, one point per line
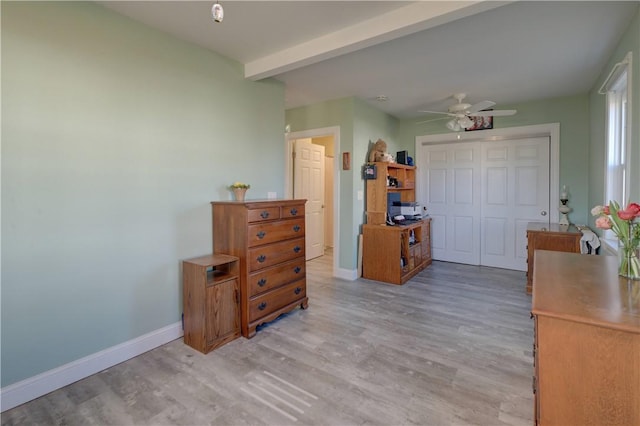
217 12
465 122
454 125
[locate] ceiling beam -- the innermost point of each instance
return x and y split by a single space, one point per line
400 22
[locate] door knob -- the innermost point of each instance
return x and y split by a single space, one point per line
543 213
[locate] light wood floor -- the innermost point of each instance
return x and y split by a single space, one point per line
452 346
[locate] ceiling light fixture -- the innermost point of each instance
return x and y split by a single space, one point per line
217 12
459 123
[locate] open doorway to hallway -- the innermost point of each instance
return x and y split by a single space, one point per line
329 139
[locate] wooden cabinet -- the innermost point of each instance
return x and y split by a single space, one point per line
587 341
394 254
549 236
211 301
269 239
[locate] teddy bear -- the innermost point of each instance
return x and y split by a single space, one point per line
379 152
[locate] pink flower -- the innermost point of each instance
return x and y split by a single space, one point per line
605 210
634 207
627 214
603 222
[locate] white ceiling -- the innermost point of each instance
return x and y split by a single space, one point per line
417 54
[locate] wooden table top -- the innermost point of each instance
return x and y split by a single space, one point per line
586 289
552 227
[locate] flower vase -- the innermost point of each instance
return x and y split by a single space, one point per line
629 257
239 193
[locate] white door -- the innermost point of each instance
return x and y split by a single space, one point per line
481 195
515 191
308 183
452 197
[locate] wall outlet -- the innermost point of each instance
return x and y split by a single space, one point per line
272 195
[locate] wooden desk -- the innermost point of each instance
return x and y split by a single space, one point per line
587 341
549 236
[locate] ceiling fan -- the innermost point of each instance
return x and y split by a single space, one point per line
461 113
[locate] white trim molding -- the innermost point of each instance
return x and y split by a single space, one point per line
34 387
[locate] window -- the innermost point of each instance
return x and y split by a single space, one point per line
617 87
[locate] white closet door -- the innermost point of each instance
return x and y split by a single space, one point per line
481 195
452 196
515 191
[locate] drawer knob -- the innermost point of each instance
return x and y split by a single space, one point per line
264 214
261 234
262 306
297 269
296 228
293 211
262 258
297 290
262 282
297 249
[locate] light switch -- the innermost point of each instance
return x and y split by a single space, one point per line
272 195
360 195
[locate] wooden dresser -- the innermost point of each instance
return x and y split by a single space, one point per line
269 239
549 236
587 341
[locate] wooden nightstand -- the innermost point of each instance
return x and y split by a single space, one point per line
211 301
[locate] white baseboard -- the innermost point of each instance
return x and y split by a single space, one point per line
347 274
34 387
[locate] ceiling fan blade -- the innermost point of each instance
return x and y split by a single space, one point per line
480 106
438 112
494 113
433 119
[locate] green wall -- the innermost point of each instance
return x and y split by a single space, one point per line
630 42
115 138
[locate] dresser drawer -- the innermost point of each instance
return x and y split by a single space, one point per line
266 279
272 254
263 214
269 302
269 232
292 211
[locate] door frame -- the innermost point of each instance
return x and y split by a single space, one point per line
288 178
551 130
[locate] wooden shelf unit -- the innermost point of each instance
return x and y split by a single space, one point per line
393 254
377 189
211 301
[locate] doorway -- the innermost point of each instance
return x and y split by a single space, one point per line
329 138
482 192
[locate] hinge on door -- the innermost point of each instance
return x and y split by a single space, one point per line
293 155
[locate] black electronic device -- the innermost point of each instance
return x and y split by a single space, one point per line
402 157
393 204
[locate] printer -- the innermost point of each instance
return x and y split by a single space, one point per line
409 209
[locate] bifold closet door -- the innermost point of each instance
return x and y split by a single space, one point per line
515 191
480 196
452 196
